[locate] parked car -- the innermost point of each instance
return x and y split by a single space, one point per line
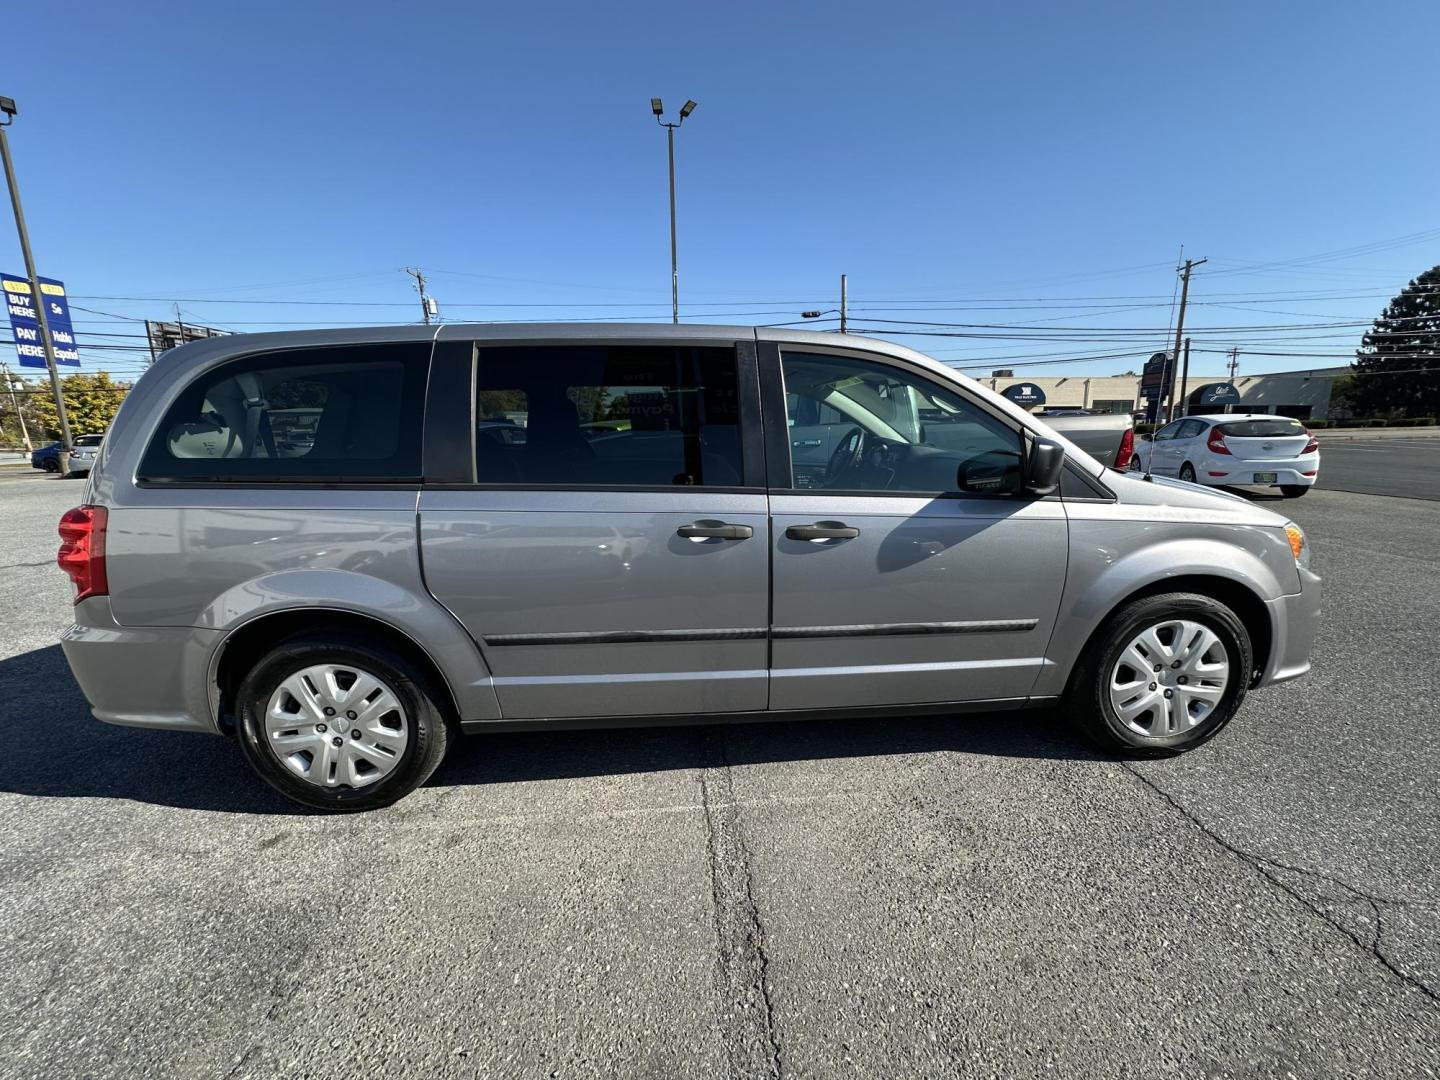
83 456
83 452
46 457
1241 448
344 611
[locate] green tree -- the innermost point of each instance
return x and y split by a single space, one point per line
90 403
1397 367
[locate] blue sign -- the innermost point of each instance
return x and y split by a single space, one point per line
1026 395
1217 393
26 327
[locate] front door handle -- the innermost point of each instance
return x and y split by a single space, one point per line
822 530
715 530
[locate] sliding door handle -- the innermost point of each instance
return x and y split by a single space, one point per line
822 530
715 530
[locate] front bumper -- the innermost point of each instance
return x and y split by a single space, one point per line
1293 622
141 676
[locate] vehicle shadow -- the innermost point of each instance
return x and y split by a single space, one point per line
55 749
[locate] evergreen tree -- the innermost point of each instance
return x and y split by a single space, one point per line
1397 366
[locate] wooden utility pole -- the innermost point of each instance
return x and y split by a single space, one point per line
1185 382
1234 364
844 301
1190 264
420 288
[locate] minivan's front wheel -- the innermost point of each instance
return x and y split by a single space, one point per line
340 725
1165 674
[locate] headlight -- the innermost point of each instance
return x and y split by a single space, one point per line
1298 547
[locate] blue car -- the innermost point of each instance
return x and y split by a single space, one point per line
47 458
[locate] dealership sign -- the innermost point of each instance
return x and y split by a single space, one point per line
24 324
1026 395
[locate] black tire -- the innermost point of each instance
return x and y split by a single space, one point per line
431 726
50 465
1293 491
1087 699
1187 472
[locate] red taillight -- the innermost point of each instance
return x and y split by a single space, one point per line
1312 446
1216 442
1127 449
82 550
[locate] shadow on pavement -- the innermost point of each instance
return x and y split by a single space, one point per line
54 748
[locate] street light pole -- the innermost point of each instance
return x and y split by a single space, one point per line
37 300
659 110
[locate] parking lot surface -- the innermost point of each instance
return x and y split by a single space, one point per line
972 896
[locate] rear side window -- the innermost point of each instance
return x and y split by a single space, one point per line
343 413
1263 429
617 416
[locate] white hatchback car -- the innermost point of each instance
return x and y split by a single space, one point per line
1239 448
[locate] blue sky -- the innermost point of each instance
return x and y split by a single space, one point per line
1029 165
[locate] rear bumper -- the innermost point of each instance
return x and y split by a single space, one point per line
1293 622
1288 472
151 676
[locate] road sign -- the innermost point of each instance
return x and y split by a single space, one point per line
1216 393
26 327
1026 395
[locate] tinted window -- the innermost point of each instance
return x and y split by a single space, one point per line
345 413
622 416
1263 429
1189 429
1169 431
881 428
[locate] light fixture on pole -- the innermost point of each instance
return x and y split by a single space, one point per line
37 302
658 108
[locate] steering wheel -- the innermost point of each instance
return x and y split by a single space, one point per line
848 456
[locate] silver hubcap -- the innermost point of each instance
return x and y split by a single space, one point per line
336 725
1170 678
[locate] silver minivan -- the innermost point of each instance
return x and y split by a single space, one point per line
344 547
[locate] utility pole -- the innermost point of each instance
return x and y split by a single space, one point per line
420 287
1185 382
9 385
1234 364
844 302
37 301
1190 264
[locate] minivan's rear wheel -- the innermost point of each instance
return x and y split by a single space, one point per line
340 725
1165 674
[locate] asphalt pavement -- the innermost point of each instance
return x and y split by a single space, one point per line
976 896
1409 468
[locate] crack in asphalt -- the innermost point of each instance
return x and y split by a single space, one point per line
19 565
751 1042
1266 868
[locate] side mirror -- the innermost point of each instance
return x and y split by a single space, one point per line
1144 437
1042 471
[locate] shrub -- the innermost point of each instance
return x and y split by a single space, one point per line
1375 423
1316 425
1145 429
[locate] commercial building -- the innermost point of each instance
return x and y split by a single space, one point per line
1304 395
